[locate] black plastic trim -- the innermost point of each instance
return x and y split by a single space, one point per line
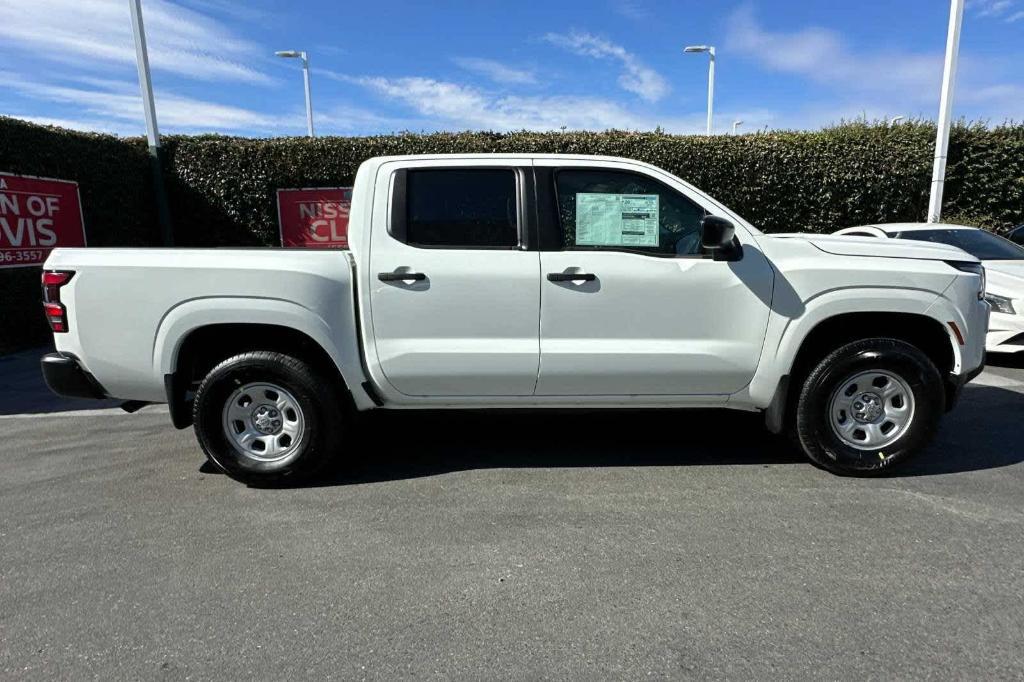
571 277
732 254
65 376
181 415
955 384
527 209
372 392
775 414
366 385
397 227
401 276
548 226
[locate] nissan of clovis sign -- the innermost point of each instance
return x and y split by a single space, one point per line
36 215
524 281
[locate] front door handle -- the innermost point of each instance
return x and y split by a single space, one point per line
571 277
401 276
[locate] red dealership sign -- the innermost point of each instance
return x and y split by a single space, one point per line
37 215
314 217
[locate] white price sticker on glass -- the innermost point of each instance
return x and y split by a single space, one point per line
616 219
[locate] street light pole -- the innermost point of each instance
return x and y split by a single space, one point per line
895 120
956 16
309 97
710 49
152 133
736 124
711 87
305 79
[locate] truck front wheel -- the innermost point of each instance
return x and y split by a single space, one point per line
264 418
869 406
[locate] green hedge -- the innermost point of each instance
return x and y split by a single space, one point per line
222 189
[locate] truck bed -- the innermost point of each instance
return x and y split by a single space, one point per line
129 309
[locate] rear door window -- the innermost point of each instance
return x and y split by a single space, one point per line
462 208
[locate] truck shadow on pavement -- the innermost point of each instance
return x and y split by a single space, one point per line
981 433
23 390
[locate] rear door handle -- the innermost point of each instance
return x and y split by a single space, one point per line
401 276
571 277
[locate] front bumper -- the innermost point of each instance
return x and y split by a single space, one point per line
65 376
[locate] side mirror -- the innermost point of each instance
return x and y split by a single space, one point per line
718 236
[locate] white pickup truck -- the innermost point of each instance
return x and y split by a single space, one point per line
524 281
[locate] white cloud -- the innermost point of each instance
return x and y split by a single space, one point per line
879 83
447 105
990 8
343 119
1007 10
94 32
636 77
821 55
496 71
88 125
631 9
241 11
117 108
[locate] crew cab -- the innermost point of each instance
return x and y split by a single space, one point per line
524 281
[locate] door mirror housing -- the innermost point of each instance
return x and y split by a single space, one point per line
718 236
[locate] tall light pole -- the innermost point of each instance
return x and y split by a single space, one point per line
956 17
895 120
736 124
152 133
305 78
711 76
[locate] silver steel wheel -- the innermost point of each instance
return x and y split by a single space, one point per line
871 410
263 422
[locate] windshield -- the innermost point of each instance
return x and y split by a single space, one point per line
980 244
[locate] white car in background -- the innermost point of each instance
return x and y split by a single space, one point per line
1004 266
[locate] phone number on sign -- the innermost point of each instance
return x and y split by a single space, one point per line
23 257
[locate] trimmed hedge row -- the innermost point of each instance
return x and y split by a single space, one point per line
222 189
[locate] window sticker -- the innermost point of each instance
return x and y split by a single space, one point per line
616 219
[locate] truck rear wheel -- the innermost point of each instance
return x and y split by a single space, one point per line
264 418
869 406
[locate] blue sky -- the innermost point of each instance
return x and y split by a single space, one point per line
381 67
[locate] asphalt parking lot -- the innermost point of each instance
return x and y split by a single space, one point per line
661 544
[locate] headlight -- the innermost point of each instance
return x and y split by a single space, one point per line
1000 304
974 269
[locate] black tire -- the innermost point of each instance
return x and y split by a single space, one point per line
813 429
318 406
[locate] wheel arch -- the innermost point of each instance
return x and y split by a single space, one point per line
197 335
918 329
927 333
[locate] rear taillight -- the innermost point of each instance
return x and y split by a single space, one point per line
56 313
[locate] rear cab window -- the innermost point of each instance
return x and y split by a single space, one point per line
458 208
